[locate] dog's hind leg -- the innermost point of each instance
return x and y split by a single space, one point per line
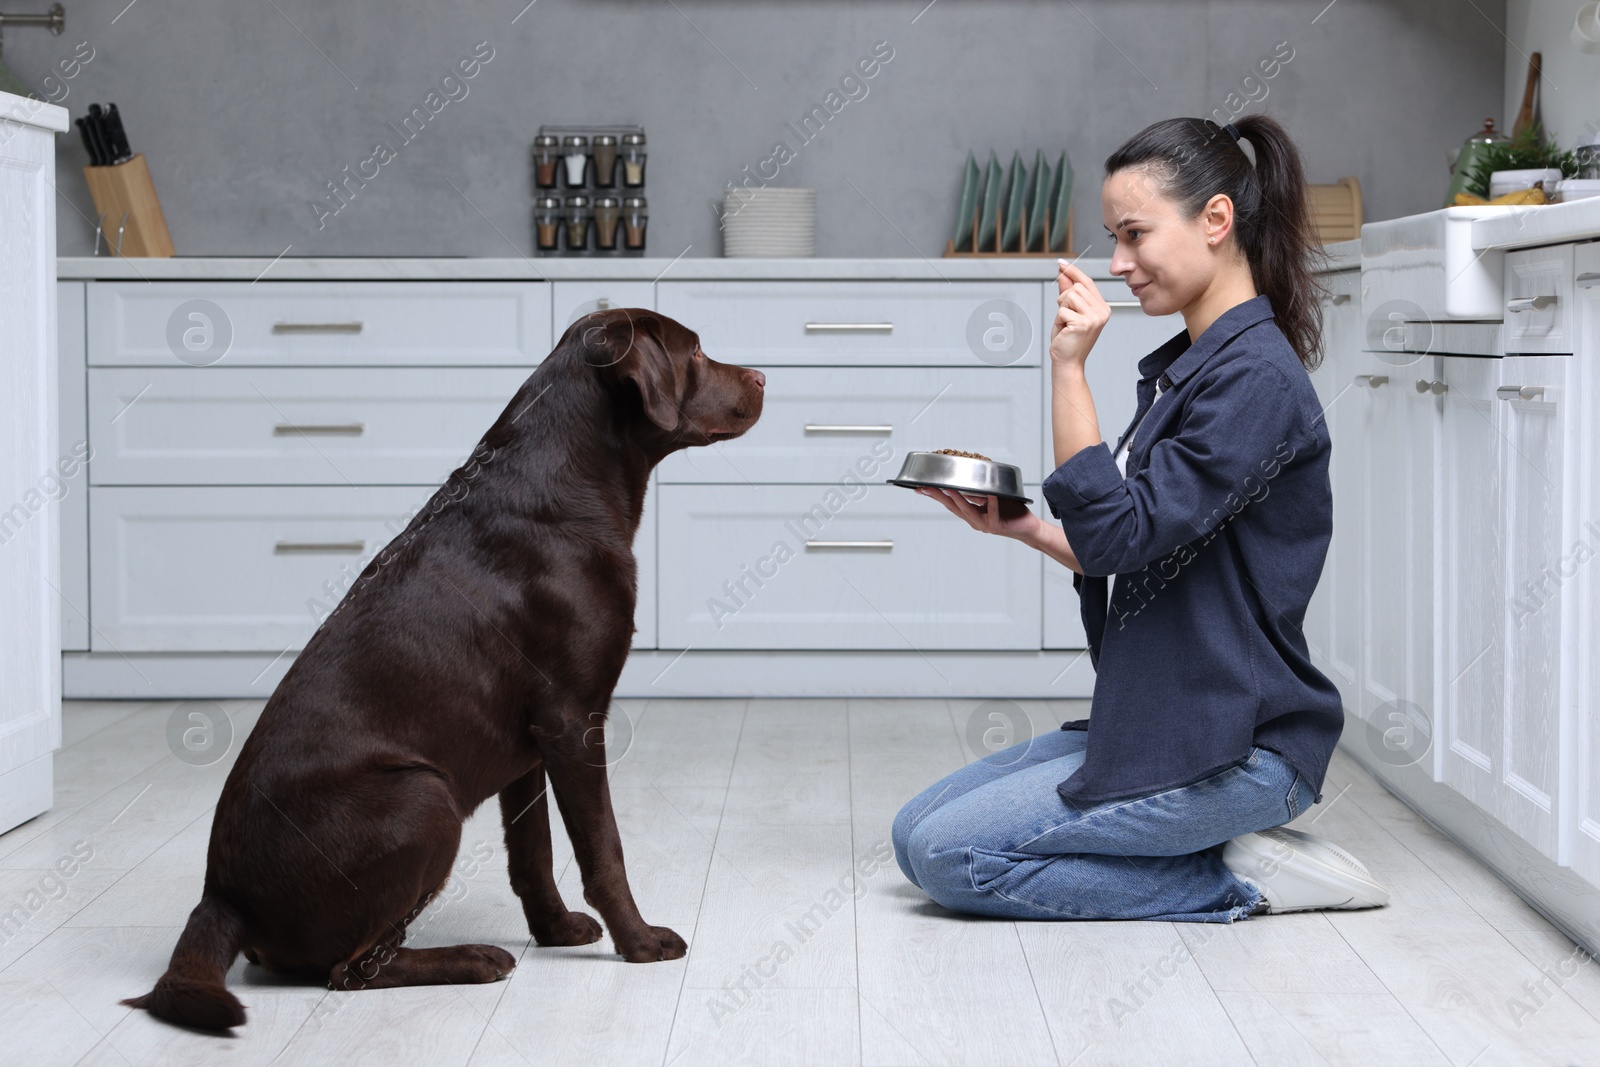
387 965
525 812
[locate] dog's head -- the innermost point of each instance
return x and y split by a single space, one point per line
687 397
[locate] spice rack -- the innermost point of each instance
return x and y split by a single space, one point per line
589 185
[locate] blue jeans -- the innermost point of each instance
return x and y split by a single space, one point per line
995 838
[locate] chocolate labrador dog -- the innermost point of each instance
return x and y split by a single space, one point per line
473 657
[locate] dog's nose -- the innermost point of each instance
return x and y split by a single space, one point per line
761 379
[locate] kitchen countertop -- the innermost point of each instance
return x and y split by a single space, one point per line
558 268
1539 224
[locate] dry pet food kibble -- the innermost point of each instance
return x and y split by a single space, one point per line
955 452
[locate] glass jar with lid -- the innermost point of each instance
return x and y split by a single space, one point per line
547 223
634 216
605 160
575 156
577 223
546 157
607 213
633 158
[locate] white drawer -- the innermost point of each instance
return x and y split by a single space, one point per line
820 424
237 570
837 567
965 324
171 324
570 301
1538 304
291 426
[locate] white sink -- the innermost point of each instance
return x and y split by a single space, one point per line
1424 268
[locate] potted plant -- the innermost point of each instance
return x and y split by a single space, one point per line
1528 150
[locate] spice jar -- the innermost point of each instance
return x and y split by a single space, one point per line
577 223
547 223
633 155
634 214
607 212
546 154
575 153
605 160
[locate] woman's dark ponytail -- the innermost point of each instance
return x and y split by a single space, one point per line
1195 159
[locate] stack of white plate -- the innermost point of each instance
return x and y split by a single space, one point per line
769 222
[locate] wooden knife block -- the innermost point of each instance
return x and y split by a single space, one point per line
126 187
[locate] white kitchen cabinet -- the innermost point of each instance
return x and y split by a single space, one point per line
232 569
875 323
819 423
1395 412
1538 300
857 567
291 425
172 324
1333 617
1580 558
1113 374
1472 571
74 443
1533 457
570 301
1504 513
30 537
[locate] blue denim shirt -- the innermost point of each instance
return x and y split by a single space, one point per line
1217 538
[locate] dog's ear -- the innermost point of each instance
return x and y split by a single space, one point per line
631 343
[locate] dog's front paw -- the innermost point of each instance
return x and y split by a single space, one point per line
656 944
573 928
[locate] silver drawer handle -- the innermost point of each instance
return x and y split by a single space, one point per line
316 327
1341 298
1373 380
1425 386
849 327
849 544
1588 278
824 427
1530 303
354 547
1519 392
341 429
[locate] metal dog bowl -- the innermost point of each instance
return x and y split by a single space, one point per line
980 477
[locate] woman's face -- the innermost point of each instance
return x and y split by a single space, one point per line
1168 261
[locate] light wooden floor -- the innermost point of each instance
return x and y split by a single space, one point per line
738 818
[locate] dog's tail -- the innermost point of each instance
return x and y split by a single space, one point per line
192 993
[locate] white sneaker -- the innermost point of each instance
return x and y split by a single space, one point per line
1296 871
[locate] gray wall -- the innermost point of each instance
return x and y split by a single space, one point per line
246 110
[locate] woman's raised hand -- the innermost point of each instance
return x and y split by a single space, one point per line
1080 316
